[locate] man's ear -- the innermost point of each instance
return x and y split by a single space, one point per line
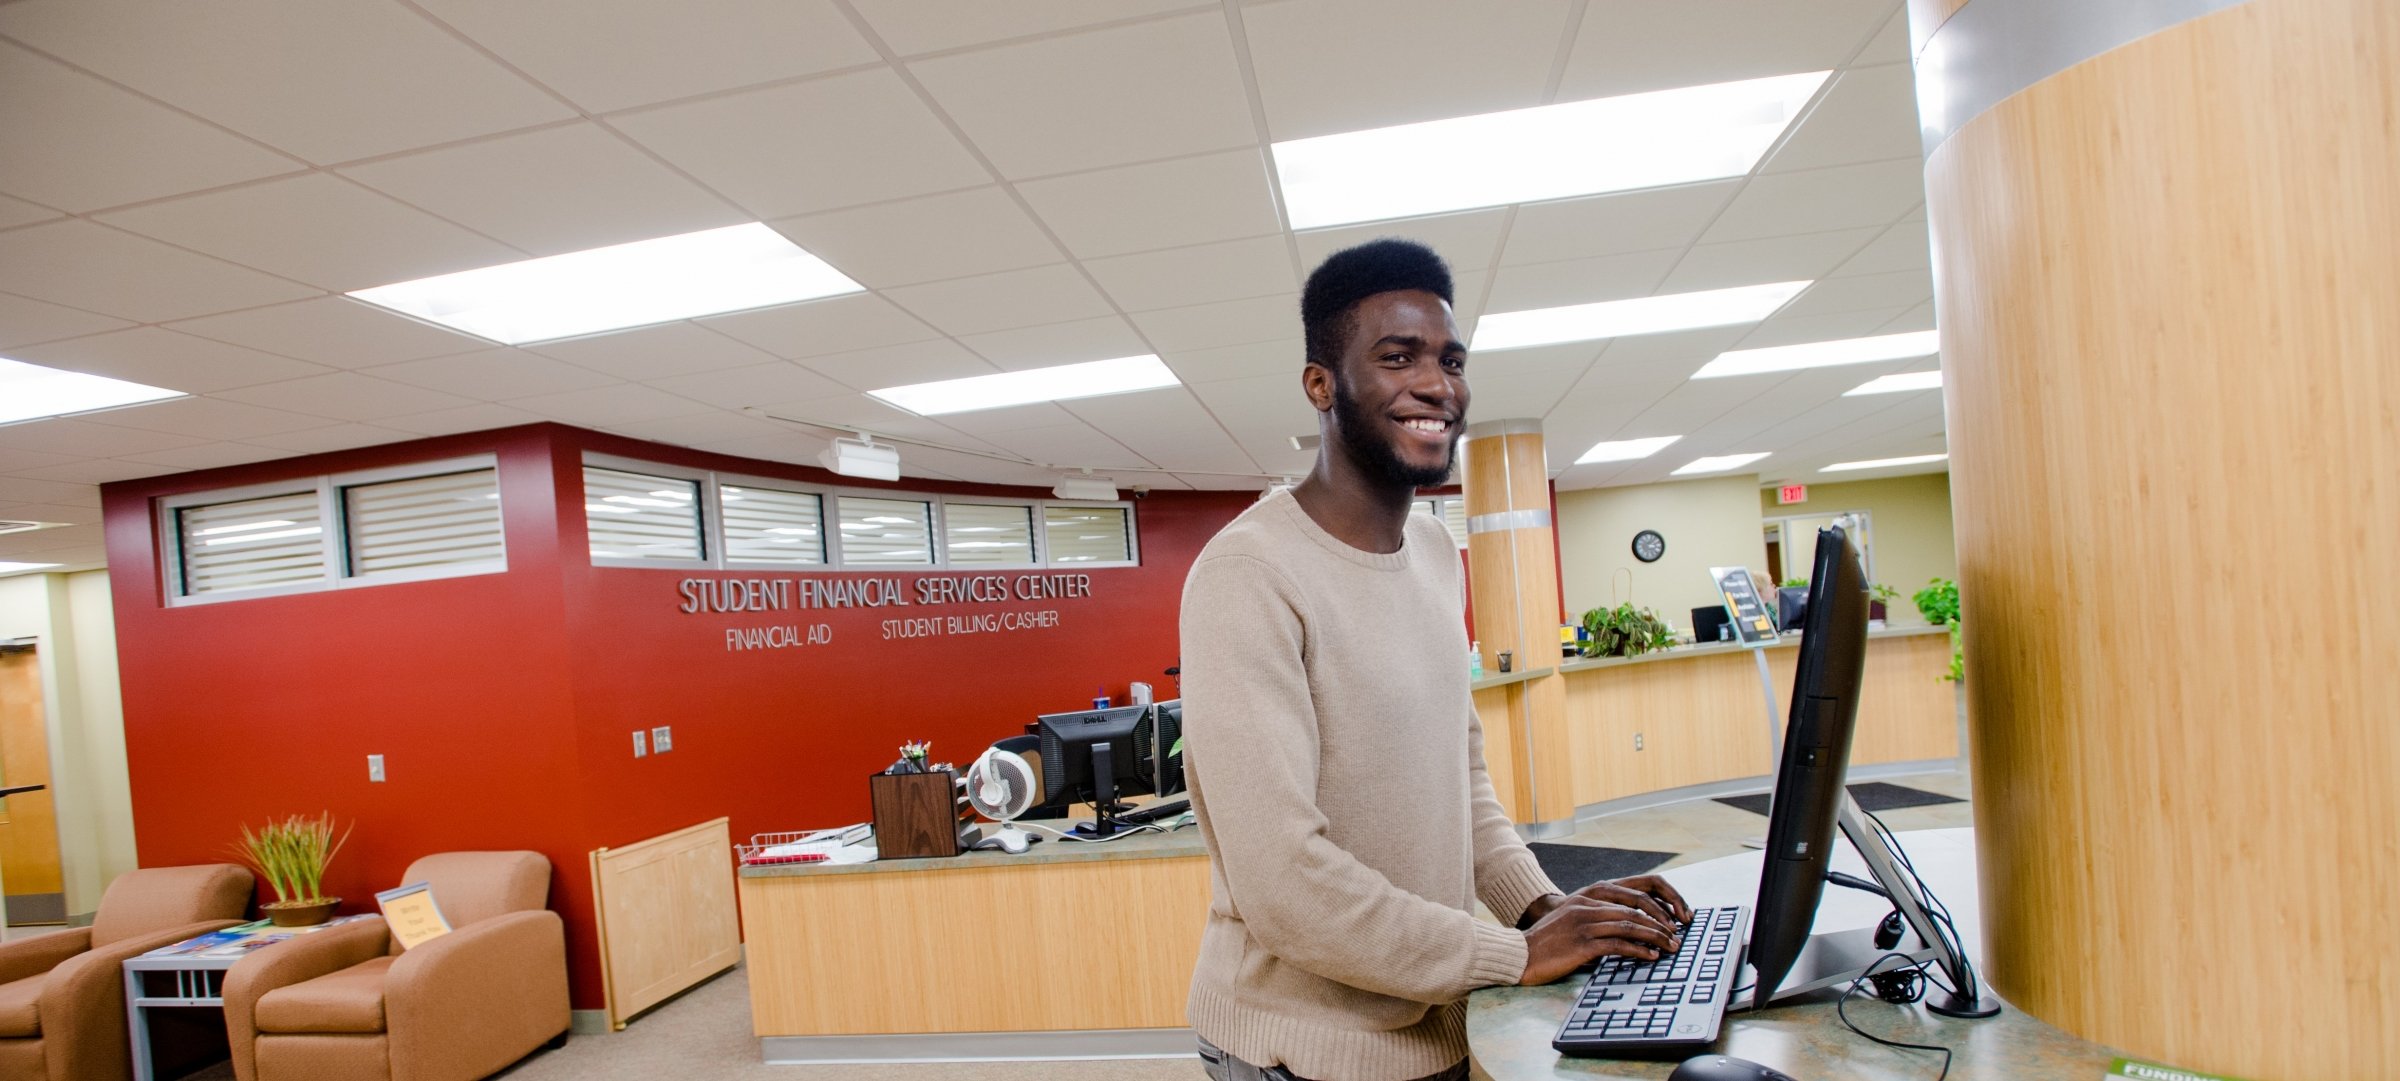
1316 380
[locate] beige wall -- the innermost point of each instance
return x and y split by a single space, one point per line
1911 522
1707 523
75 629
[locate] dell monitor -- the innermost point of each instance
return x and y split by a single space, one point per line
1090 756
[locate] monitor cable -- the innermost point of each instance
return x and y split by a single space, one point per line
1900 986
1944 925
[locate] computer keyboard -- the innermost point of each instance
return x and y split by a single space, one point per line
1670 1005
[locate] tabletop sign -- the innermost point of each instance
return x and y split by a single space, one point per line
1750 619
1791 493
412 915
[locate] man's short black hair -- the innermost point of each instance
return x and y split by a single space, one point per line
1384 265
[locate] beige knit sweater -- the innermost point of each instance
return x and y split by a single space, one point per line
1336 765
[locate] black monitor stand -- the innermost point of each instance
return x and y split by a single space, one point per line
1105 807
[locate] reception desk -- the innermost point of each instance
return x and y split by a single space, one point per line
1693 721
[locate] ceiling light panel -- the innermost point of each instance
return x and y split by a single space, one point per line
1626 450
30 390
1896 384
1718 463
1548 152
1640 315
1062 383
709 272
1784 358
1884 463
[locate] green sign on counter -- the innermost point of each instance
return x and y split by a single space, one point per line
2151 1071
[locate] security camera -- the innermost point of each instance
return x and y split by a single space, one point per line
1141 491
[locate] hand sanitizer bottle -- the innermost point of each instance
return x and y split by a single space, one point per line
1474 660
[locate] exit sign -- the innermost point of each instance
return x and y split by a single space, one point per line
1792 493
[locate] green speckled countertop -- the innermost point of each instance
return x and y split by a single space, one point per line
1140 846
1711 649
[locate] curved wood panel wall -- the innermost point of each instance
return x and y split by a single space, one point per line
1512 558
2169 286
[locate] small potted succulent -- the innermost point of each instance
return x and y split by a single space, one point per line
291 855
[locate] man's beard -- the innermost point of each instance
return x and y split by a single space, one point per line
1375 457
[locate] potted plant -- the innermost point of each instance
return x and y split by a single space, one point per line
1879 600
1938 603
291 855
1626 631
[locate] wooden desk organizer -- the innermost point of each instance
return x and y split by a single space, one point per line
916 814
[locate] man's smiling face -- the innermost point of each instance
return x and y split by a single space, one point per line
1400 399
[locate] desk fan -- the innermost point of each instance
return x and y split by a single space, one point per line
1000 787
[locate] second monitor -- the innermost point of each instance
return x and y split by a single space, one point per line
1096 756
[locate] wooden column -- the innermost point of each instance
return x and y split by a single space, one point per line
1512 562
2169 291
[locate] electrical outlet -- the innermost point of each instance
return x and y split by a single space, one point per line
1637 741
641 743
662 739
375 768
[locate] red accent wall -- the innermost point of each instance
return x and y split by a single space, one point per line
504 704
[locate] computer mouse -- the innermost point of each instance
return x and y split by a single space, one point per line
1725 1068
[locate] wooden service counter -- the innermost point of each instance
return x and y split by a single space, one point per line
1692 721
1068 949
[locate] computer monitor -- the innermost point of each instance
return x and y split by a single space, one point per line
1153 737
1712 624
1089 756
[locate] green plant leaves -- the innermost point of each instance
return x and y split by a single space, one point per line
292 854
1626 631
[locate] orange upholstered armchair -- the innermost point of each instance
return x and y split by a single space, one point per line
62 995
348 1003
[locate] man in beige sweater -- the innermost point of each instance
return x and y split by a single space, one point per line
1332 747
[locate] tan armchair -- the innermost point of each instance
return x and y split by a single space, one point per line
62 995
349 1004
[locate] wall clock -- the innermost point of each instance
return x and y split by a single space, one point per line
1648 546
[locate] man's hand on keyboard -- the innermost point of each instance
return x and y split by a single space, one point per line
1581 928
1649 893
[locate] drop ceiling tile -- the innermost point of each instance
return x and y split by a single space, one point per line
900 365
1051 344
1233 270
102 146
25 321
1578 281
982 423
656 352
332 438
1821 200
1866 292
816 327
85 511
764 384
16 461
99 269
335 331
80 436
617 54
210 455
551 191
794 447
16 212
1890 44
207 418
1168 204
622 403
1466 241
1805 257
468 418
1017 298
317 229
27 490
1902 247
1067 447
1251 361
1156 89
1869 114
1234 322
954 235
916 26
862 411
164 358
1169 411
702 429
1614 224
493 374
1326 66
346 396
97 471
1628 46
838 141
1917 318
328 81
1788 328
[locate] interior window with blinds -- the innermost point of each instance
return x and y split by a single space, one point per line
763 525
886 532
634 516
251 544
988 534
1454 515
450 520
1088 534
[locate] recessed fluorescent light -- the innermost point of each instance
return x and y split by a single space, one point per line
1894 384
1883 463
12 568
1062 383
30 390
1640 315
1546 152
1719 463
623 285
1784 358
1626 450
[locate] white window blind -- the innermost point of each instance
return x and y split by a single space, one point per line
1454 515
982 533
251 544
886 532
448 520
634 516
1087 534
763 525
